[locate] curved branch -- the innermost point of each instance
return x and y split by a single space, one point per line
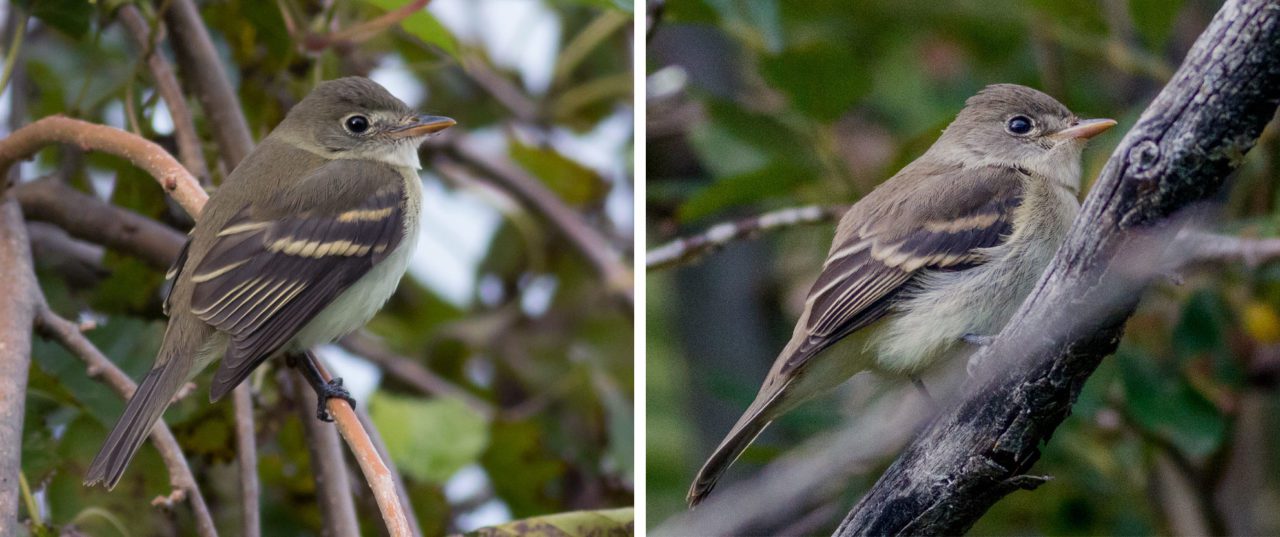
1180 151
689 249
143 153
68 334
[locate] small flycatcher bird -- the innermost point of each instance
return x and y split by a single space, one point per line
942 252
302 244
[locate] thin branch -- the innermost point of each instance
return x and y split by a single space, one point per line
247 460
100 368
18 305
609 264
1181 150
333 483
190 151
15 46
356 33
376 472
689 249
207 80
401 490
143 153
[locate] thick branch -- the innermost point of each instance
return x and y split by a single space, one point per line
688 249
205 78
1181 150
101 368
17 313
88 218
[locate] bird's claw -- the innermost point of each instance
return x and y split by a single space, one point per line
331 390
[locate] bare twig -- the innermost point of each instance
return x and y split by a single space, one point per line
205 77
589 242
247 460
411 372
143 153
689 249
401 490
356 33
18 305
101 368
184 128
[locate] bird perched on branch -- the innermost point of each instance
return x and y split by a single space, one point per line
942 252
302 244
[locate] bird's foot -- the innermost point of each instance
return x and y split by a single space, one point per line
331 390
325 390
977 340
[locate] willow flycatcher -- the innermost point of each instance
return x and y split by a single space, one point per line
302 244
944 250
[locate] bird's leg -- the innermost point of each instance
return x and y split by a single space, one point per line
325 390
924 392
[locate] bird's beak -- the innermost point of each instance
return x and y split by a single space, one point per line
422 126
1084 129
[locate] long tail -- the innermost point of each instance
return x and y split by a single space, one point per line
753 422
140 415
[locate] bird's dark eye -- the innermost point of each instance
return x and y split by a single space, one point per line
1019 125
357 124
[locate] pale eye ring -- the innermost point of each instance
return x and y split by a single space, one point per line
1019 125
356 124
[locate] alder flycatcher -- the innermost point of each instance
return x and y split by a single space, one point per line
302 244
947 248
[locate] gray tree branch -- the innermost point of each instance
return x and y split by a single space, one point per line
1190 138
17 315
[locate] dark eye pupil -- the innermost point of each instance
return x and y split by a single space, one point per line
1019 125
357 124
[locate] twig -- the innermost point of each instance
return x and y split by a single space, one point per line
15 46
100 368
375 470
689 249
18 305
247 460
577 49
413 373
614 272
356 33
200 64
88 218
143 153
190 151
502 90
333 483
401 490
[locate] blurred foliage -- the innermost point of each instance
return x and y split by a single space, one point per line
761 104
543 354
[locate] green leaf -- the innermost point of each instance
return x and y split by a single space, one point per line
817 79
609 522
756 21
429 439
67 16
774 180
572 182
423 25
521 467
1166 404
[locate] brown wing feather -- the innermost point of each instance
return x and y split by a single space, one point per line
878 252
266 274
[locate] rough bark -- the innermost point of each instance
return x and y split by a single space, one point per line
1181 150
